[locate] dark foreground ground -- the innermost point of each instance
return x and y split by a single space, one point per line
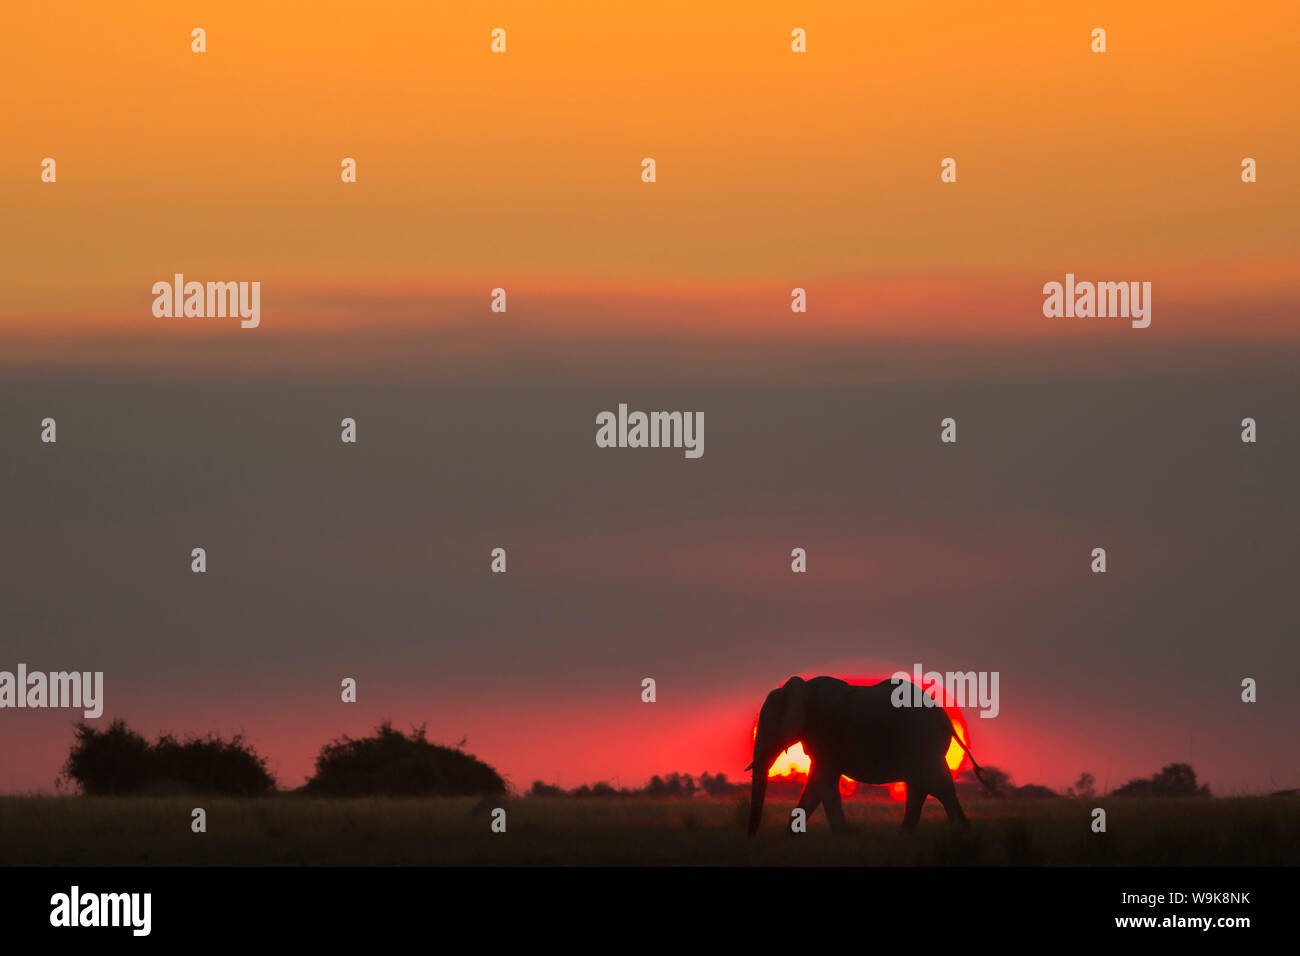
294 830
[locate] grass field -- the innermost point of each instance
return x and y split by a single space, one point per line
296 830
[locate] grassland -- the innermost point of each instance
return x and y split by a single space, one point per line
291 830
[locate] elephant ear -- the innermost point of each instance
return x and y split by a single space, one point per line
795 694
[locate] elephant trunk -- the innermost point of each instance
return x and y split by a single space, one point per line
780 724
763 758
758 790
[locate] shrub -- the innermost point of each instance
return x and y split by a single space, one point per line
393 764
1175 780
120 761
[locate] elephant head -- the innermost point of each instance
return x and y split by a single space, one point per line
780 726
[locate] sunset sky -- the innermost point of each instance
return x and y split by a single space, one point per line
774 170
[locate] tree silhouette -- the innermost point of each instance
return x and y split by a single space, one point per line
1083 787
392 764
1174 780
120 761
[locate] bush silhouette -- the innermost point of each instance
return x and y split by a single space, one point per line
120 761
392 764
675 785
1175 780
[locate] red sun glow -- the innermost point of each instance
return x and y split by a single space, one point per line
793 763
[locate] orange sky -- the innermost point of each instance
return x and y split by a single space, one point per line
522 170
775 170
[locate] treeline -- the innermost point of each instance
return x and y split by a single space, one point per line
685 786
118 761
1002 784
1173 780
673 785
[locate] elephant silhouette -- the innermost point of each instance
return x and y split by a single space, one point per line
856 730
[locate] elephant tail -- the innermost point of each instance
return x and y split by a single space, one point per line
979 772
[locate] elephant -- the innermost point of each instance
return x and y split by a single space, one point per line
855 730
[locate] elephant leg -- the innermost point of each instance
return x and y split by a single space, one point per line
834 807
916 794
947 795
811 796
